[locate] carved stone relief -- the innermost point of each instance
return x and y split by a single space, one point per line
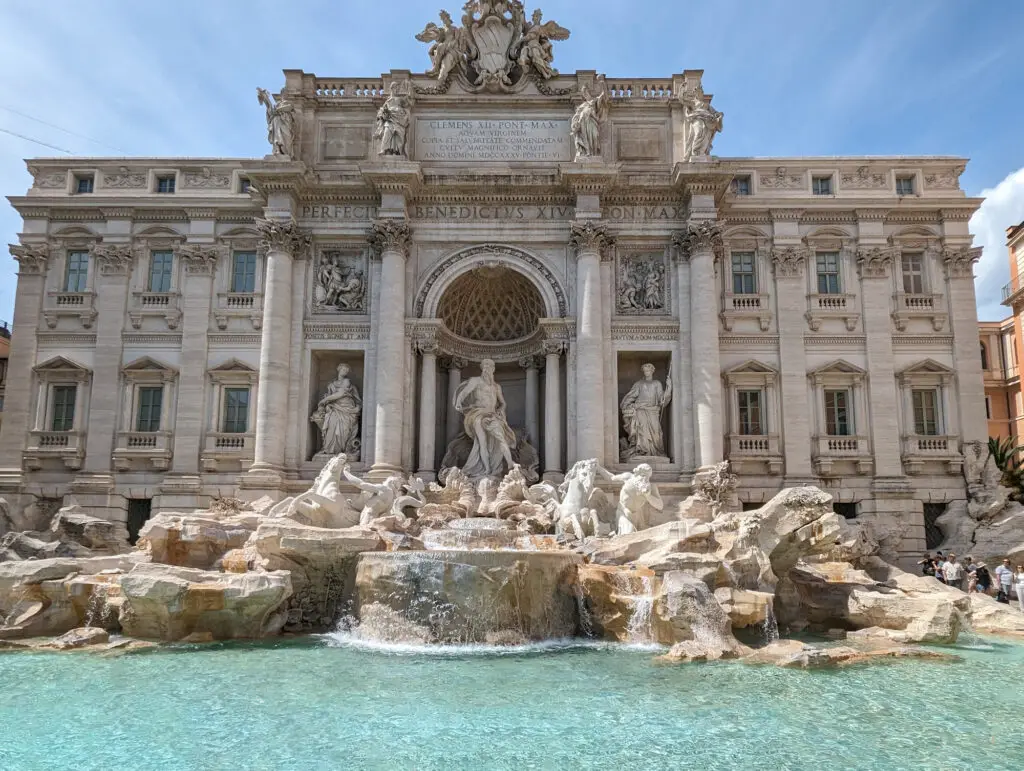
780 180
339 284
124 178
207 178
641 284
863 179
946 180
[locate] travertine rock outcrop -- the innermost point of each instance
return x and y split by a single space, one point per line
165 602
322 564
195 540
72 533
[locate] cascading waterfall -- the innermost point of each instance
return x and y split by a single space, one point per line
96 611
641 600
770 626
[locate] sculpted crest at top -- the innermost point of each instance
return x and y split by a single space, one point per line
496 48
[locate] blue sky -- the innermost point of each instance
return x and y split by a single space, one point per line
793 77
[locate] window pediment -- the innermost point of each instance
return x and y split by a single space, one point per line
751 373
149 369
234 371
927 372
838 372
61 367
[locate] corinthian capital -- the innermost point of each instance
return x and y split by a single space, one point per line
114 259
282 236
699 236
199 259
391 236
789 261
959 262
32 258
588 237
874 262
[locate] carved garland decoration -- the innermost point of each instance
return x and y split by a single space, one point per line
113 259
514 255
959 263
199 260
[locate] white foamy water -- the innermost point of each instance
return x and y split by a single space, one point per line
351 639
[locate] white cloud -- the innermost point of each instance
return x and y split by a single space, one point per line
1003 207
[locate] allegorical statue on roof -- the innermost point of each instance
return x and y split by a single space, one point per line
393 123
280 122
495 48
586 122
702 123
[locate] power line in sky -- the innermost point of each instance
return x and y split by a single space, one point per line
36 141
60 128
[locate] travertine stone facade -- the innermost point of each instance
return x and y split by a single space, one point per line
178 320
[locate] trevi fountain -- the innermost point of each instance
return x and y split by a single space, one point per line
491 615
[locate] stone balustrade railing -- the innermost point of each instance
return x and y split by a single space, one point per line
349 88
656 88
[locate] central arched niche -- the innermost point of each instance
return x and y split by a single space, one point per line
490 304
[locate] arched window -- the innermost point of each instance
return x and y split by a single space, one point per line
984 358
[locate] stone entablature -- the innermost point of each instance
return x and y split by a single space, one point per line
810 313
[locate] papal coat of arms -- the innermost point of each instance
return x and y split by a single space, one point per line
496 48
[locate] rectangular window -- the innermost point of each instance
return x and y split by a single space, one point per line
77 272
913 273
151 400
160 265
744 277
750 413
741 185
904 185
926 411
63 408
165 184
83 184
243 272
821 185
236 410
244 185
828 272
837 413
988 407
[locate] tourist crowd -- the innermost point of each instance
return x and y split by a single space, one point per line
971 576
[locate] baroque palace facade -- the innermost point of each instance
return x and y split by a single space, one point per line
187 328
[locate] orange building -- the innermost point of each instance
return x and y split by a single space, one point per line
1011 341
1002 381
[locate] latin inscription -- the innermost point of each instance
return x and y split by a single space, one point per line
441 212
492 140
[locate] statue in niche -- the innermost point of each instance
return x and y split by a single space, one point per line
638 497
482 404
641 416
642 286
337 416
586 123
340 283
702 122
393 123
280 123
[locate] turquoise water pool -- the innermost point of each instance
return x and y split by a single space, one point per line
323 703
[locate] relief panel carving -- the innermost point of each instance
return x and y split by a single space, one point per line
640 284
339 282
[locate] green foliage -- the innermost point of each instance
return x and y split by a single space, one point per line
1010 462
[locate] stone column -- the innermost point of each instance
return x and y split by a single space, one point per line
529 363
113 264
795 424
427 348
453 420
552 410
683 384
391 239
700 244
876 294
32 262
589 240
959 264
200 263
283 241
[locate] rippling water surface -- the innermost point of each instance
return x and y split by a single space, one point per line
329 703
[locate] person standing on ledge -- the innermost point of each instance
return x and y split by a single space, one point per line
1020 587
1004 579
954 572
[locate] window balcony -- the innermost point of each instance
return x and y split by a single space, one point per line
161 304
918 450
66 446
756 306
827 450
920 306
247 305
228 452
832 306
70 304
751 452
135 448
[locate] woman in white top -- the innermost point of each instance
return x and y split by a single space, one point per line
1019 580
